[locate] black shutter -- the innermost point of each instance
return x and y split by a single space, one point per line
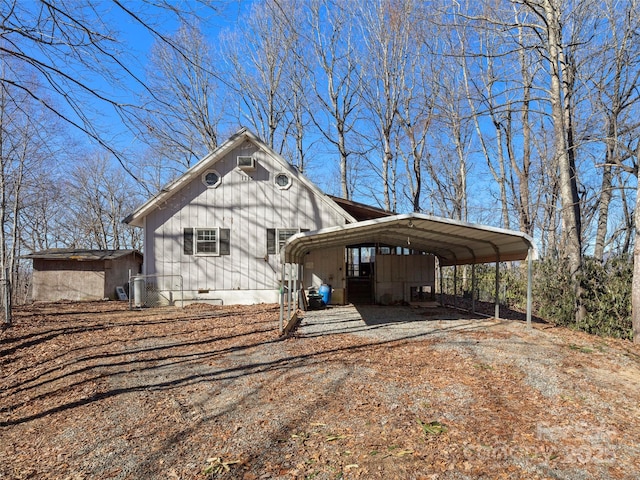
225 241
271 241
188 241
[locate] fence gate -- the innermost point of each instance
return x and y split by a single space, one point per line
155 291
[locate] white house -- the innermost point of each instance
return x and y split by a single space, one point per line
227 224
222 223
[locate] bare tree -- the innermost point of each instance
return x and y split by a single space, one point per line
388 32
499 78
456 126
80 58
258 58
635 289
336 78
101 197
617 99
182 114
416 115
30 138
545 18
43 212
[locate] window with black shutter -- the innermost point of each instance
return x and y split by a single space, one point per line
207 241
277 237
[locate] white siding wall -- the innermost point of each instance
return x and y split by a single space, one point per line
326 266
245 203
396 274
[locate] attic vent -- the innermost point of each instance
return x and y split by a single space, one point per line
248 164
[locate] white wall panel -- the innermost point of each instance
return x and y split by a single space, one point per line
245 203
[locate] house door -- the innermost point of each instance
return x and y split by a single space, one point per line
360 274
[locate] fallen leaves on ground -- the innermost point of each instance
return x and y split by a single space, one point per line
93 390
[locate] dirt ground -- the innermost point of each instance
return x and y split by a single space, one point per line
94 391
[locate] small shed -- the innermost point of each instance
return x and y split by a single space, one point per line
78 275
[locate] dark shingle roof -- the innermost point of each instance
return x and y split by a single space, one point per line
360 211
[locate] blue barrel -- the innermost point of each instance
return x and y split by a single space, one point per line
325 293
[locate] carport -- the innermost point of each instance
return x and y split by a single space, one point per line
452 242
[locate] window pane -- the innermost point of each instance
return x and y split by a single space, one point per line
284 234
211 178
207 241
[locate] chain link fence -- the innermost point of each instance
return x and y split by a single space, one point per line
155 291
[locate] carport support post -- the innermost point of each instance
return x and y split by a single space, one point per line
473 288
441 282
529 284
497 313
455 286
296 289
289 293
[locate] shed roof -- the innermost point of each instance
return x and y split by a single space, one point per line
81 255
453 242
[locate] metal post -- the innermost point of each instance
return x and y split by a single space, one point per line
441 282
289 286
473 288
529 286
296 290
497 308
301 284
455 286
281 327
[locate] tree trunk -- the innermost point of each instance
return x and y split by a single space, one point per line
570 211
386 161
603 213
635 284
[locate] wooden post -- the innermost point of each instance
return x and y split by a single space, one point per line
281 325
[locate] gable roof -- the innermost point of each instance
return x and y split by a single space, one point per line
242 135
453 242
81 255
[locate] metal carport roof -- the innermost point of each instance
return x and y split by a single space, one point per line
453 242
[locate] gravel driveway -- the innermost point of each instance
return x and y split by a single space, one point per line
390 322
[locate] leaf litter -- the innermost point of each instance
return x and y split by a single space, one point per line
93 390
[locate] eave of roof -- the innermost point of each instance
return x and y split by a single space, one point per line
453 242
80 255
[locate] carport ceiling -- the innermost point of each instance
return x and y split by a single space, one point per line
453 242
